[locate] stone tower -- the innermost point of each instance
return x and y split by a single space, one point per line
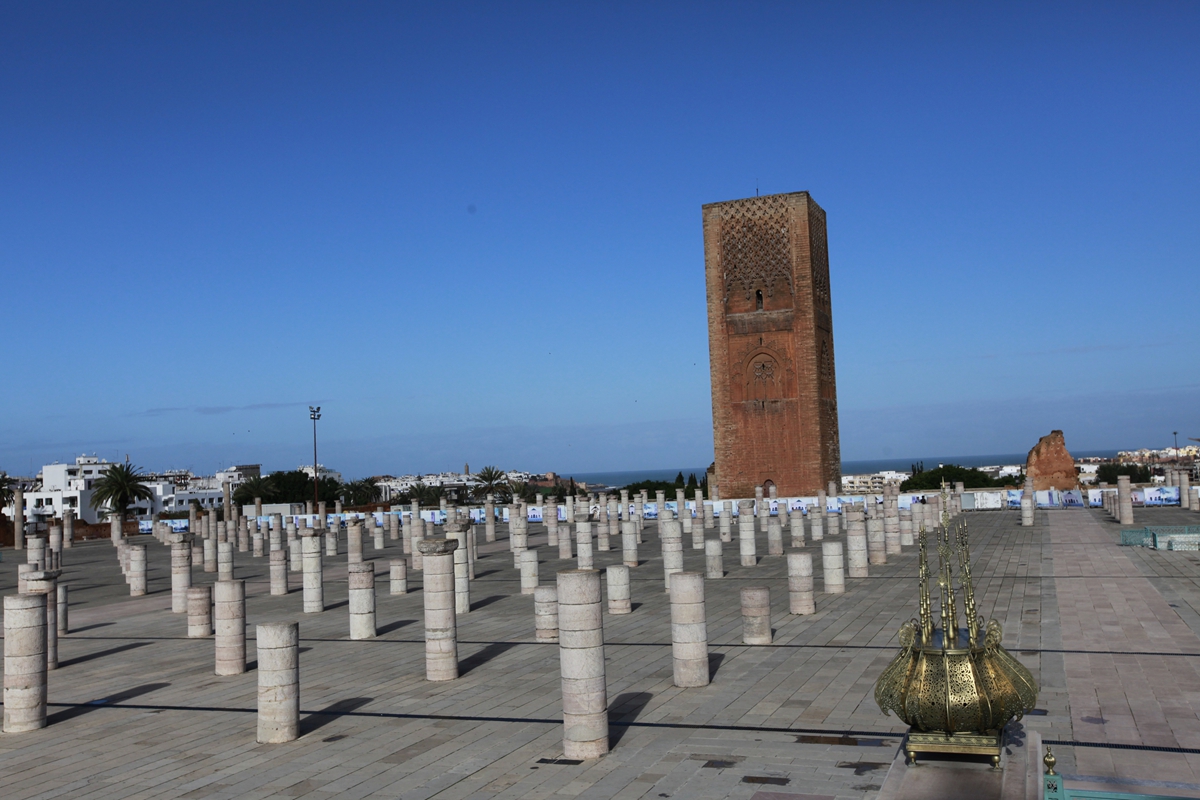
770 342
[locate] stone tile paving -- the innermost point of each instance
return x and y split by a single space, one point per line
137 712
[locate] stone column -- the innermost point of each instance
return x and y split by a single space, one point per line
256 539
393 521
243 535
756 615
1185 488
279 572
672 550
180 571
1125 500
24 662
618 590
456 530
278 682
906 527
54 555
63 623
229 612
361 579
856 555
199 612
354 547
876 542
564 541
115 536
583 539
398 576
19 526
45 582
774 537
137 570
224 561
441 633
713 559
796 526
489 519
762 511
832 568
629 548
833 489
545 613
1194 496
705 509
689 630
800 583
332 536
725 522
581 660
376 534
313 580
529 571
1027 507
418 536
746 533
69 528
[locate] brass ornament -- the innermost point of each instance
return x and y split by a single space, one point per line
956 687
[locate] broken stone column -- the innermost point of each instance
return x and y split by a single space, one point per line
376 534
137 570
876 542
243 535
279 572
313 579
816 522
456 530
583 539
796 526
180 571
618 590
689 630
332 538
704 511
114 530
229 613
224 561
1124 500
545 613
529 571
69 528
278 682
800 583
832 567
441 632
906 527
393 521
856 554
714 562
54 554
1027 507
418 535
581 660
361 580
564 540
199 612
746 546
1185 488
398 576
725 522
24 662
756 615
489 519
762 511
61 595
256 539
629 548
354 548
774 537
1194 496
45 582
672 550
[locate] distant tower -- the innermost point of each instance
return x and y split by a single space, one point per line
466 469
770 343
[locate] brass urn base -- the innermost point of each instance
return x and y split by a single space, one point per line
971 744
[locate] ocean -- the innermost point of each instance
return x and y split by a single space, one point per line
864 467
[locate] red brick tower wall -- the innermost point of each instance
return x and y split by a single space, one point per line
770 343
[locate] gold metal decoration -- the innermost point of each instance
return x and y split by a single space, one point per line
956 687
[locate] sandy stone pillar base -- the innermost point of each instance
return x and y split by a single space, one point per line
856 555
756 615
279 572
137 570
278 682
581 661
224 561
714 560
774 537
629 546
313 578
398 576
876 542
545 613
746 545
529 571
689 630
796 528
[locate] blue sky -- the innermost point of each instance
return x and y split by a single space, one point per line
471 232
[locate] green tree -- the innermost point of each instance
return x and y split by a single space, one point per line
119 487
361 492
931 480
1107 473
259 486
6 490
491 481
679 481
521 490
692 485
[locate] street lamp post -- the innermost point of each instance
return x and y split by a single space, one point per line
1176 435
314 413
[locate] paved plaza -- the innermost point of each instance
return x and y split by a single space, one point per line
136 711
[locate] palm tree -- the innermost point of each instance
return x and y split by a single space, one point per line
6 489
521 490
491 481
119 487
258 486
362 492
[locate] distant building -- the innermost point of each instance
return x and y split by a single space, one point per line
873 483
324 471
